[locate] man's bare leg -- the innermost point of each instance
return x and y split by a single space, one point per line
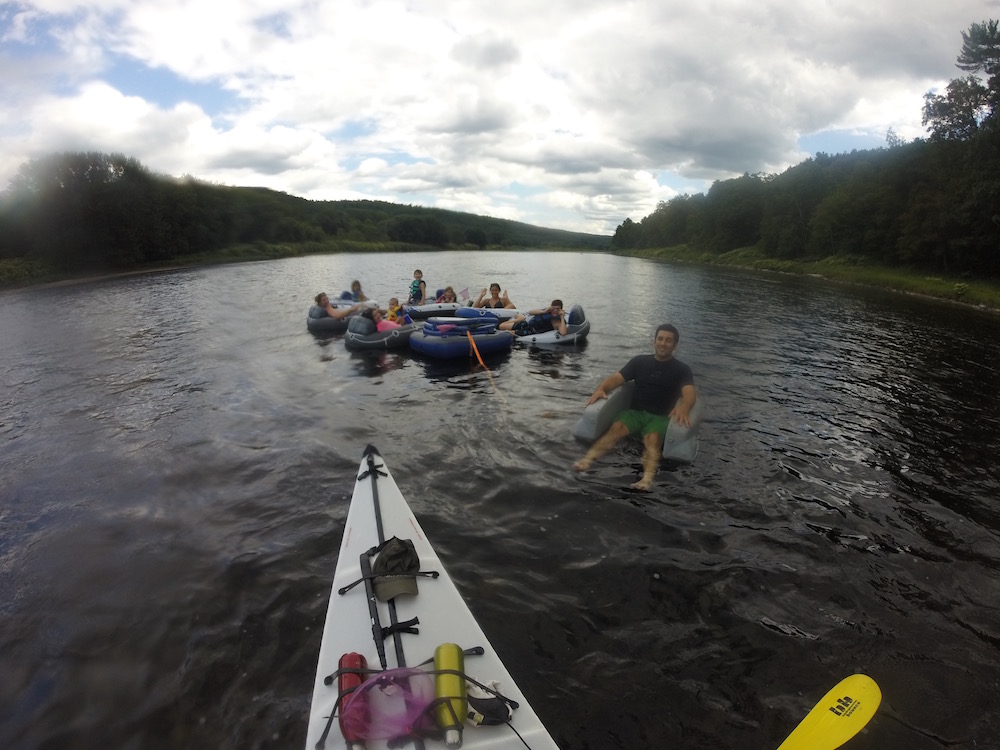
604 443
508 325
653 444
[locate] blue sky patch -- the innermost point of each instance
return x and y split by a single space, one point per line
166 89
839 142
525 191
355 129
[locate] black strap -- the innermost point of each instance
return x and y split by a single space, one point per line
421 573
402 627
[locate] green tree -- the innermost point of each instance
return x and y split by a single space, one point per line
79 209
981 54
627 235
672 223
894 139
969 104
732 214
476 236
959 114
420 230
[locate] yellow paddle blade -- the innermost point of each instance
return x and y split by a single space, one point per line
840 715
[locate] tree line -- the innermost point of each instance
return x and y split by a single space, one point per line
932 204
88 211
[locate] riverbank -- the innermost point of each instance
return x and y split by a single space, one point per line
847 270
18 273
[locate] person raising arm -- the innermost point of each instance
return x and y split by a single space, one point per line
495 301
551 318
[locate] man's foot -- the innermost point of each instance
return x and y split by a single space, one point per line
582 465
643 485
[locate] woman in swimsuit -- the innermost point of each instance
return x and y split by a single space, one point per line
495 300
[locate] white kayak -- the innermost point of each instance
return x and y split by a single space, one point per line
434 621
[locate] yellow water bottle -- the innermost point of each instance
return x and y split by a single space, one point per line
449 689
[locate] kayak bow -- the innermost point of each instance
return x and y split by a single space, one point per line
419 624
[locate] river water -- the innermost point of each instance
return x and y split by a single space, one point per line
177 455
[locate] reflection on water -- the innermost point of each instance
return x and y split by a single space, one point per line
178 454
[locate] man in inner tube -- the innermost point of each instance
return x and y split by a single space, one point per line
339 313
551 318
664 390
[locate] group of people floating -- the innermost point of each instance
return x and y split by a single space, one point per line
537 321
663 391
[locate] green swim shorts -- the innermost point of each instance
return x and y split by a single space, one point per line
643 421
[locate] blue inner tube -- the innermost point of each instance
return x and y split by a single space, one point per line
476 313
447 347
419 312
458 326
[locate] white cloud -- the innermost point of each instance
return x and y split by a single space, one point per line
566 114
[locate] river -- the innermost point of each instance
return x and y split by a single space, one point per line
177 455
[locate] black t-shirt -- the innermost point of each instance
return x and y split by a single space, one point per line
657 384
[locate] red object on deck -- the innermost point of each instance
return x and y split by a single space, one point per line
347 683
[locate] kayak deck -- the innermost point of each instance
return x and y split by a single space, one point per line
442 613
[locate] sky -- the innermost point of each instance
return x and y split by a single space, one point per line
570 114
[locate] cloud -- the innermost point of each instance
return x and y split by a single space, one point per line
486 51
567 114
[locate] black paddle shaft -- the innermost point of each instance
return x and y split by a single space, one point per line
366 572
374 472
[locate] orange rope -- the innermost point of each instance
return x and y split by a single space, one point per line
472 343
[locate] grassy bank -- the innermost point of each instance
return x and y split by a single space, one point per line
20 273
846 269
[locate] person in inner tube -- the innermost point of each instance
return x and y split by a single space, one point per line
418 289
551 318
495 301
448 295
377 317
356 294
664 392
338 313
395 311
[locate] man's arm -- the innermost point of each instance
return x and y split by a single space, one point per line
607 385
682 412
339 313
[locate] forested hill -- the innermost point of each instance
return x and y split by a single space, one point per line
931 205
74 212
